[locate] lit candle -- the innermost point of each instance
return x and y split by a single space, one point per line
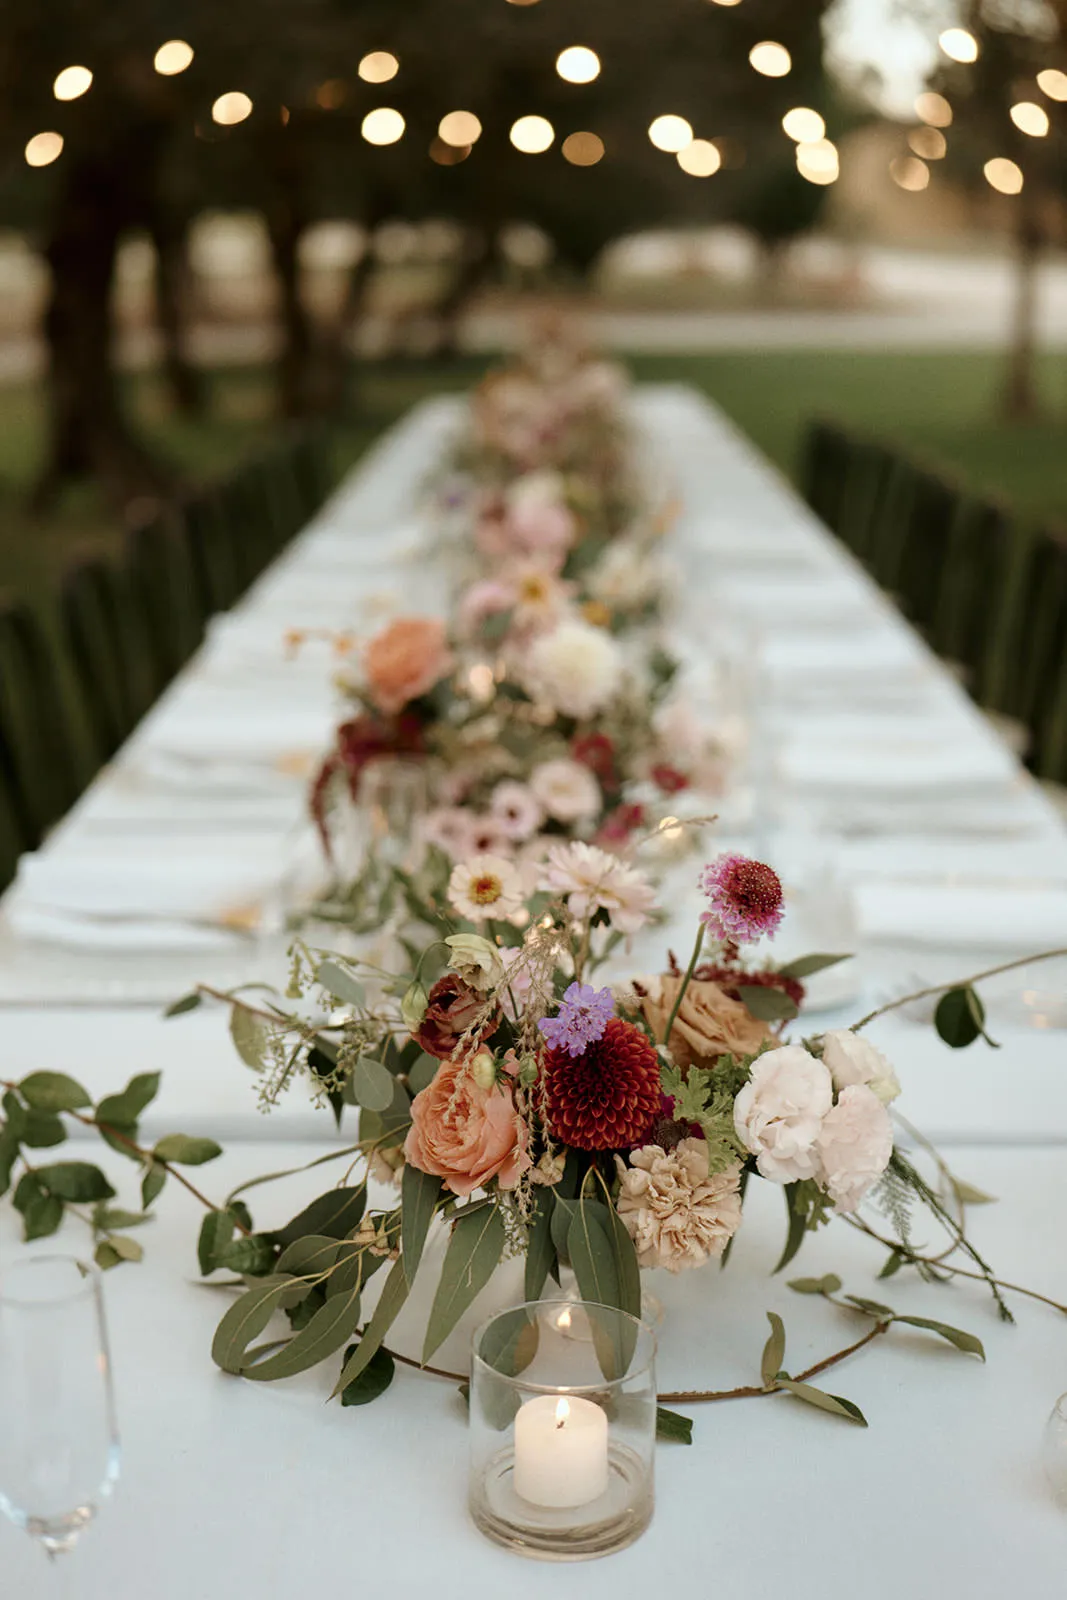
561 1451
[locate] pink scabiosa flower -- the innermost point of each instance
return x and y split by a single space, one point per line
744 899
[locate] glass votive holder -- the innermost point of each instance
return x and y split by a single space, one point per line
562 1430
1054 1451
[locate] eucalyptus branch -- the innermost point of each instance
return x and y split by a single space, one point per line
693 959
752 1390
956 983
917 1259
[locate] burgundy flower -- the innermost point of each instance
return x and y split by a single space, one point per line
730 980
452 1008
668 779
597 752
619 824
744 899
608 1098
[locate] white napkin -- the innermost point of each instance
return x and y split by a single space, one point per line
132 936
154 879
899 770
973 918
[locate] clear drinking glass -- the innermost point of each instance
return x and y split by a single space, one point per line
562 1429
59 1443
1054 1450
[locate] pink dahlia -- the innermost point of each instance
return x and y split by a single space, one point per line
744 899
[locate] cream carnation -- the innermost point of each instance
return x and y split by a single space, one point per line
854 1060
779 1112
485 886
576 668
566 790
594 880
854 1146
676 1215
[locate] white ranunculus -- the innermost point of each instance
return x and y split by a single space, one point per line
854 1146
576 668
779 1113
566 790
475 959
855 1060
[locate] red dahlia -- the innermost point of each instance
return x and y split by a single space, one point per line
609 1097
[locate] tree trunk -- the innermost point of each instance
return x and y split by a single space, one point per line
88 432
170 238
1020 401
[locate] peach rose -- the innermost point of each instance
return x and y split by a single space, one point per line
466 1134
405 660
709 1023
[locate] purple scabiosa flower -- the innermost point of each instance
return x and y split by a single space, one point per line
744 899
584 1014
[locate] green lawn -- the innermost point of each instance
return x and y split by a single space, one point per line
942 405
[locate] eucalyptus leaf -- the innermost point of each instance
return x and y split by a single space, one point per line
245 1320
249 1034
216 1231
960 1017
152 1183
252 1256
188 1002
107 1217
328 1330
955 1336
797 1226
626 1267
773 1350
968 1195
126 1249
540 1251
41 1211
76 1181
341 983
372 1382
873 1308
563 1214
373 1085
591 1254
335 1214
423 1072
123 1110
419 1193
309 1256
394 1293
829 1284
769 1005
53 1091
43 1130
184 1151
474 1250
808 966
893 1263
672 1426
824 1402
9 1149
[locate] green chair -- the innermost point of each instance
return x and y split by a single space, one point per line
313 466
108 641
823 470
867 478
1048 757
892 523
977 562
13 839
42 771
216 563
163 580
923 558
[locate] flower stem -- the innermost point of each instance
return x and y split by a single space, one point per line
958 983
693 959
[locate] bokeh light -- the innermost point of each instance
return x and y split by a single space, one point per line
959 45
532 135
231 108
578 64
72 82
448 155
803 125
1030 118
772 60
43 149
1053 82
700 159
910 173
332 94
670 133
934 109
459 128
726 2
930 143
378 67
173 57
818 161
383 125
1005 176
583 149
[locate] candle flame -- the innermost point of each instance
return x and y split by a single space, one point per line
564 1318
563 1411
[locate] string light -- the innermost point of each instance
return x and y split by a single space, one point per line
700 159
910 173
332 94
1053 82
670 133
378 67
583 149
383 125
532 135
43 149
770 59
231 108
459 128
818 161
803 125
959 45
726 2
578 64
1003 175
1030 118
928 142
172 58
934 109
72 83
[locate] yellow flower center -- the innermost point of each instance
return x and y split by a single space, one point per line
533 590
486 889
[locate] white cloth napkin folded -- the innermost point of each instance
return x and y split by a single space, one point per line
919 769
132 936
964 918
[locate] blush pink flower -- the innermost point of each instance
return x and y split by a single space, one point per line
854 1146
405 660
744 899
466 1133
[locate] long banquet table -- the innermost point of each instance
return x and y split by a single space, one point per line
881 789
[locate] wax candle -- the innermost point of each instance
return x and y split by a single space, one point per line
561 1451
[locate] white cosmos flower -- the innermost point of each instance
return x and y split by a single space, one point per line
576 669
485 886
516 809
594 879
567 790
